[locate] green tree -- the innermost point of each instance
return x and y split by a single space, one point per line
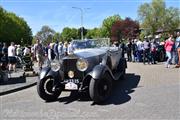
69 33
57 37
34 40
156 16
93 33
172 19
105 30
45 34
14 28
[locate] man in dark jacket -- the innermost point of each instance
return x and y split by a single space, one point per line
129 51
55 48
134 50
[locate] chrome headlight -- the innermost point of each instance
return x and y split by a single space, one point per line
82 64
55 65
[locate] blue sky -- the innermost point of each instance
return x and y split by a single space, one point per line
59 13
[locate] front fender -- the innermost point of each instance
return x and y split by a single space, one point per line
99 71
48 72
44 72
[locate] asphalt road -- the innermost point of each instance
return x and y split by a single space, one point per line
148 92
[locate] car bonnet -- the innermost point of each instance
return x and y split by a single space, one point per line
86 53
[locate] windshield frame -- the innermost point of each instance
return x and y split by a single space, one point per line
90 43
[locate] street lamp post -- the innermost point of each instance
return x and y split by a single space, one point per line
81 20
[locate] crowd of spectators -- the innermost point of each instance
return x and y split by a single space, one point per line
38 52
137 51
147 50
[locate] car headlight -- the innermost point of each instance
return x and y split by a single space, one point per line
82 64
55 65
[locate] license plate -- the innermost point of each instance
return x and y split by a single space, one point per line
72 80
71 86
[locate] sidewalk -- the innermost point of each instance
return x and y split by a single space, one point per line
17 82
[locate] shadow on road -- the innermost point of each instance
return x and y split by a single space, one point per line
120 93
122 89
74 96
14 80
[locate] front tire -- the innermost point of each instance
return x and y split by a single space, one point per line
44 89
100 89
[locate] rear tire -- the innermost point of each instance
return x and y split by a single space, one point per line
44 89
161 56
100 89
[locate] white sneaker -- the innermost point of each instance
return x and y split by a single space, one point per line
167 66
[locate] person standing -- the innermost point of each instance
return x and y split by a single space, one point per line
70 48
177 46
139 51
5 52
55 48
39 53
18 51
60 50
65 49
26 51
134 50
153 51
11 57
123 47
51 55
129 51
32 52
146 51
168 47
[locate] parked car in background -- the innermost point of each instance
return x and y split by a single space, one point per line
3 69
91 68
161 54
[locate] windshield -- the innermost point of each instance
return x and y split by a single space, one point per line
93 43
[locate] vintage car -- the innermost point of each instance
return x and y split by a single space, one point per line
91 69
161 53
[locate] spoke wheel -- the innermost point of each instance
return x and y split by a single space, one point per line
100 89
44 89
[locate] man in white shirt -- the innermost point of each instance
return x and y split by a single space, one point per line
26 51
11 57
70 49
140 50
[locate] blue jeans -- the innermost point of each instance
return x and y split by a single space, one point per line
169 55
139 55
176 57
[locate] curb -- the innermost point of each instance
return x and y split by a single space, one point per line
17 89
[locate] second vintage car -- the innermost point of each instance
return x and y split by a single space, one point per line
92 68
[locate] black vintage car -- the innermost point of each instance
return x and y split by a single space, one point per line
92 69
161 53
